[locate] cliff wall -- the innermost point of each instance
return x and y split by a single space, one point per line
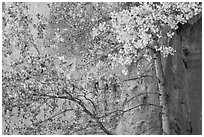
183 75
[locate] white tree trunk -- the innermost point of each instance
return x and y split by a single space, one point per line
162 95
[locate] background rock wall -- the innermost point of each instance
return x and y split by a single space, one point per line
183 74
195 76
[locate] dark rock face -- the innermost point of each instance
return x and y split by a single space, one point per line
183 75
195 77
176 82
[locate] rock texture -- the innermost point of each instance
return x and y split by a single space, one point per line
191 41
195 77
141 95
183 85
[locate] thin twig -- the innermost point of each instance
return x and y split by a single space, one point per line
146 130
91 103
138 96
50 118
124 111
35 46
139 77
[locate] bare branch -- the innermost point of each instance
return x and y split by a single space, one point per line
51 96
91 103
124 111
140 106
50 118
80 103
35 46
100 124
139 77
146 130
138 96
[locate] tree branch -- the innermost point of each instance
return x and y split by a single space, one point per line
50 118
93 104
124 111
100 124
139 77
138 96
82 105
35 46
146 130
139 106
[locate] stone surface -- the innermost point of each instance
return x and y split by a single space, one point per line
183 74
195 77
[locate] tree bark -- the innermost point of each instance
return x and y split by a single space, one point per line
162 95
